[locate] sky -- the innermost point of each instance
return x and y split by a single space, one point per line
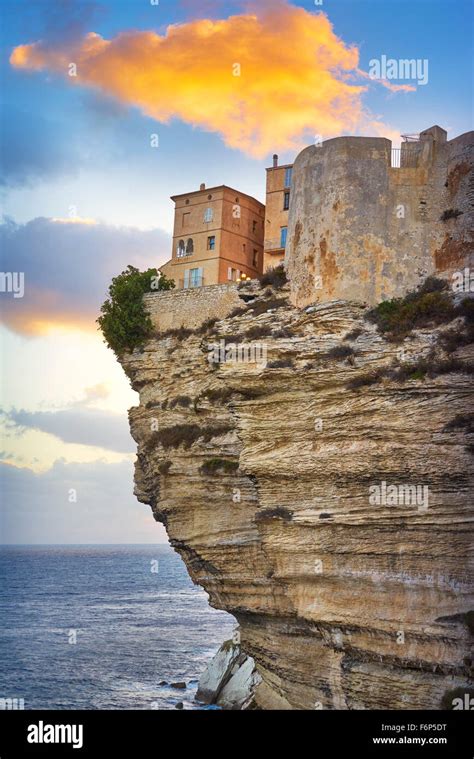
108 107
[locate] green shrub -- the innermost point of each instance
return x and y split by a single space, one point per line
274 277
461 422
212 466
340 351
418 370
258 330
281 363
238 311
207 325
430 305
181 400
164 467
278 512
453 339
219 394
284 332
354 334
180 333
365 380
124 321
186 435
451 213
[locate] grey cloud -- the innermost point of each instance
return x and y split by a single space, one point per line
68 267
82 426
37 506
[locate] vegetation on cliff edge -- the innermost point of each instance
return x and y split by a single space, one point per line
124 321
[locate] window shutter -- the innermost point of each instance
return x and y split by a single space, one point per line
229 273
200 273
186 278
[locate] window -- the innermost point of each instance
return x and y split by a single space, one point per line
254 226
208 215
231 274
211 243
189 247
283 236
244 247
288 176
193 278
255 258
181 250
186 219
286 201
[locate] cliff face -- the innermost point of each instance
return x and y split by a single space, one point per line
270 484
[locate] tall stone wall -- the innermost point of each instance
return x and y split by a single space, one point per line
362 230
190 308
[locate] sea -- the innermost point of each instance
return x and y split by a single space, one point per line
103 627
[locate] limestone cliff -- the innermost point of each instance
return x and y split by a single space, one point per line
262 475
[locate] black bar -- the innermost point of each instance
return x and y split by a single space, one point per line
314 733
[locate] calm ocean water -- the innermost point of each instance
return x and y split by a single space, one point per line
134 627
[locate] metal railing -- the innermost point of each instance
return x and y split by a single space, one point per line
407 156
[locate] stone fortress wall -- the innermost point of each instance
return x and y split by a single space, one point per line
361 230
190 308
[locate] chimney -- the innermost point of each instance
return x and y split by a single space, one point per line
275 161
202 187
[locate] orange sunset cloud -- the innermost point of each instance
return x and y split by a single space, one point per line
266 80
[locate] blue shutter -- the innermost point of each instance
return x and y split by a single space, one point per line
283 236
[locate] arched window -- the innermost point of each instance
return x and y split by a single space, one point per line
180 252
189 247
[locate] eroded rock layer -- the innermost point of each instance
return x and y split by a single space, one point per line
263 478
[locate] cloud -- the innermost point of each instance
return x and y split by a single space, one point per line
30 155
37 507
296 77
77 425
67 268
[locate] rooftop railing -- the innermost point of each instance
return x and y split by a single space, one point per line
407 156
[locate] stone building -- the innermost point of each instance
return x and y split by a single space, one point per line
278 192
218 236
368 223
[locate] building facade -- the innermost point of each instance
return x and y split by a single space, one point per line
278 193
218 237
368 222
